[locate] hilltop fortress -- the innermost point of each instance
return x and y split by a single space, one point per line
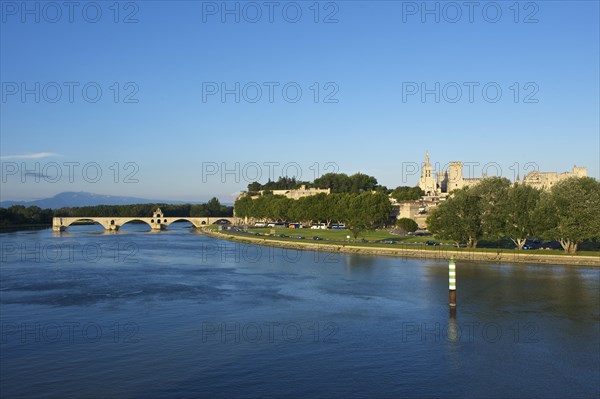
294 194
443 183
438 186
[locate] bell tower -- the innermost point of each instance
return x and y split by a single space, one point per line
428 182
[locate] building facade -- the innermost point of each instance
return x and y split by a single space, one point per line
545 180
301 192
439 185
436 184
294 194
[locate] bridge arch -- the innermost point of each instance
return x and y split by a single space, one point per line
87 220
179 219
223 221
123 222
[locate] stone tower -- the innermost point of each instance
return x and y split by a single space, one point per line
455 176
428 182
579 171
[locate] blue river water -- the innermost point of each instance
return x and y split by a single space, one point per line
139 314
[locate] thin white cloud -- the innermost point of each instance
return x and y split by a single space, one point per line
36 155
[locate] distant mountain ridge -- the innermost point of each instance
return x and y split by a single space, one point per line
82 198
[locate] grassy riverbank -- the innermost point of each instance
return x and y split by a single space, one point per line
413 247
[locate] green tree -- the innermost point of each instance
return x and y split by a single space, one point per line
491 194
277 207
367 211
254 187
320 212
405 193
443 222
213 206
519 209
570 212
243 206
458 219
362 183
357 219
21 215
407 224
337 182
380 209
342 183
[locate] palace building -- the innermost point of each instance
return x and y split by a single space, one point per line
441 184
438 186
545 180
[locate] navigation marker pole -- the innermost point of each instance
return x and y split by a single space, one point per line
452 282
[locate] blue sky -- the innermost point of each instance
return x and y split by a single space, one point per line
171 135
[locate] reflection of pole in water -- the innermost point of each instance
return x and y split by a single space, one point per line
453 334
452 282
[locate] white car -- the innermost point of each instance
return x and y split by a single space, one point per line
321 226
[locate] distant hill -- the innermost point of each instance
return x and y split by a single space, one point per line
82 198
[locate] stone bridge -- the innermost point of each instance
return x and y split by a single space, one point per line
158 221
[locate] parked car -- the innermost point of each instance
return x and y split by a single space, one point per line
260 224
317 238
299 237
432 243
388 242
320 226
420 233
531 246
283 236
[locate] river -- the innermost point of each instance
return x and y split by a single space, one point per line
144 314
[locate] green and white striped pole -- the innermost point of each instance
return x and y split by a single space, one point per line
452 282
